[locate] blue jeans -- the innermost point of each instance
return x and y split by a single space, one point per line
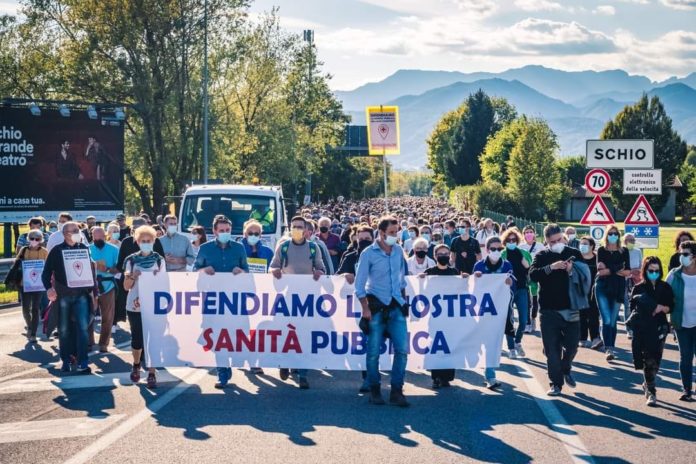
521 301
73 323
396 326
687 350
489 373
609 310
224 374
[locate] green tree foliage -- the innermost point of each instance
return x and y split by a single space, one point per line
497 151
687 195
416 183
272 114
458 140
646 119
534 179
572 170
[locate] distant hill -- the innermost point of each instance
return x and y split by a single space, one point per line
576 105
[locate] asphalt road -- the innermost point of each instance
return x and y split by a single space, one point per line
46 417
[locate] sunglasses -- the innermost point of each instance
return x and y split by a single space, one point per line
254 233
496 249
685 253
34 239
613 234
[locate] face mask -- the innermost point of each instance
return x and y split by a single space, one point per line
171 230
630 246
558 247
443 260
511 246
584 249
653 276
77 238
116 235
224 237
390 240
146 247
412 235
494 256
461 230
529 237
253 240
297 235
362 244
323 230
571 237
438 231
421 254
99 244
613 239
53 229
60 226
685 260
426 237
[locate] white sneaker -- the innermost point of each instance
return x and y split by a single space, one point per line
610 354
652 400
512 354
520 350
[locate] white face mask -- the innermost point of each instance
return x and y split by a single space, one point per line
571 237
557 247
390 240
77 237
494 256
685 260
584 249
171 230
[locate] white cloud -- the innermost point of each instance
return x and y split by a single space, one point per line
478 8
7 7
537 5
606 10
639 2
680 4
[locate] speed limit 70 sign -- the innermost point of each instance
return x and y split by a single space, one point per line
597 181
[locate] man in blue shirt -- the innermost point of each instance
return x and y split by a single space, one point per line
105 257
379 285
222 255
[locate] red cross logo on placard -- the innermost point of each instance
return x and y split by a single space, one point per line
383 130
77 266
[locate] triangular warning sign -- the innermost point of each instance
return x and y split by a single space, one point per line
597 214
642 214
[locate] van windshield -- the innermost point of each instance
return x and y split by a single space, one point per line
200 210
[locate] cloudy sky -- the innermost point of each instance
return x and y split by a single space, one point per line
366 40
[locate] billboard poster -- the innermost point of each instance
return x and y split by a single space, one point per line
50 163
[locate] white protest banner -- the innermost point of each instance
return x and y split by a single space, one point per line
31 275
193 319
78 268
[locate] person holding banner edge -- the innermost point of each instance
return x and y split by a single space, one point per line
380 286
222 255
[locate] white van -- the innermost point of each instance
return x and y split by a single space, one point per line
201 203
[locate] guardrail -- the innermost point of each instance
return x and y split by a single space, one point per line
5 265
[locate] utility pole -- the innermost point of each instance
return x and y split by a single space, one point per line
205 92
309 38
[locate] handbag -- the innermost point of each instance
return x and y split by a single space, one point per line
13 279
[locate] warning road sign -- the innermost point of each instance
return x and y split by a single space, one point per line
642 214
597 214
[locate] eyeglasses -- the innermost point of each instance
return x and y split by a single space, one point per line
34 239
685 253
511 241
496 249
256 234
613 234
653 270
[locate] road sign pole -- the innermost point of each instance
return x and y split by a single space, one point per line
384 168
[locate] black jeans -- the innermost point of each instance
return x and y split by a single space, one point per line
589 322
31 303
560 339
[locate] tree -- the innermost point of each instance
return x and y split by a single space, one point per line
483 118
497 151
646 119
439 145
534 179
572 169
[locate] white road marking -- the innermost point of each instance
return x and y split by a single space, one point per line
125 427
15 432
74 382
564 432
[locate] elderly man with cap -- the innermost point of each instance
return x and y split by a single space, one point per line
125 230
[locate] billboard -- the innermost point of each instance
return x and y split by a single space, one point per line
50 163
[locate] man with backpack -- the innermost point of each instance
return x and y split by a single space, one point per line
297 255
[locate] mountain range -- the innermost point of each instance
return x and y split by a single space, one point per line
576 105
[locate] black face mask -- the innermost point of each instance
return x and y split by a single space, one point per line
362 244
323 230
421 253
99 244
443 260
